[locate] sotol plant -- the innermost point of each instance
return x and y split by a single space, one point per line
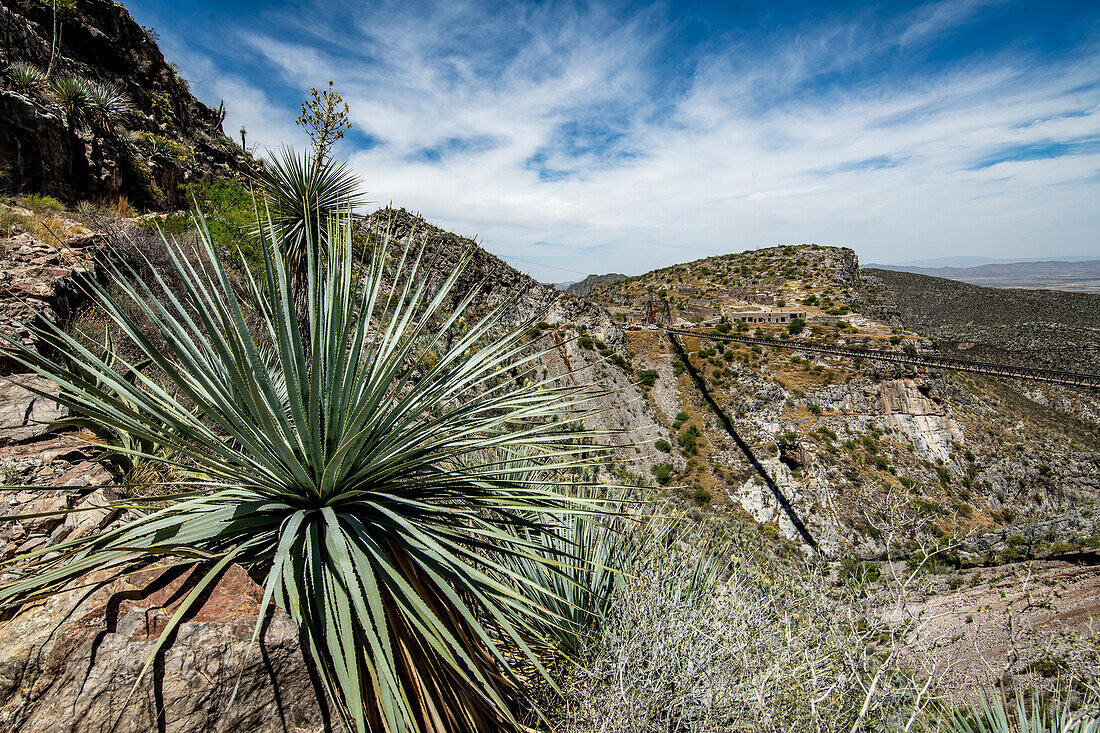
363 486
73 94
26 78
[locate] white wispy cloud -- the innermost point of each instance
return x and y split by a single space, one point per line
552 134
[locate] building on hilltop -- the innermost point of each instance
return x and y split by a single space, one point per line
777 317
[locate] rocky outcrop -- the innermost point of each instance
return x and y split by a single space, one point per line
39 282
69 662
24 414
167 139
590 283
916 410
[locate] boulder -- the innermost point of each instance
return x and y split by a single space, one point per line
68 663
25 415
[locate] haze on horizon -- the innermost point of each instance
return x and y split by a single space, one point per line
598 137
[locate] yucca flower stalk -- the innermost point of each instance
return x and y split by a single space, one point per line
353 481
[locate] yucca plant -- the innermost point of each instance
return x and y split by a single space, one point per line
107 102
122 449
354 481
26 78
74 95
581 560
301 194
993 715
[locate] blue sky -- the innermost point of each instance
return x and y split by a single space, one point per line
597 137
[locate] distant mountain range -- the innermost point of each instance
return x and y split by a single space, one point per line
1080 275
974 261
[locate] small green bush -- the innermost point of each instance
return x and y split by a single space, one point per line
648 377
41 204
663 473
663 445
688 440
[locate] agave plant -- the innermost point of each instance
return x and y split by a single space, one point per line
353 480
26 78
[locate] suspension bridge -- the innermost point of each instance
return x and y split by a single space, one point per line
1052 376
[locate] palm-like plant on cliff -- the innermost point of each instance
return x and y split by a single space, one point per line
361 484
301 193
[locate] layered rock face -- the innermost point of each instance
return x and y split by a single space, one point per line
169 138
69 662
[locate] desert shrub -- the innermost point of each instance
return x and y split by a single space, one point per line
163 111
587 342
796 326
12 222
648 377
229 211
688 440
696 643
663 473
41 204
663 445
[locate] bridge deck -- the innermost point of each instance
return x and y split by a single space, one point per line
1053 376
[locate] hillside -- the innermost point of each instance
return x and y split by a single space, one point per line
824 449
113 119
1058 329
590 283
